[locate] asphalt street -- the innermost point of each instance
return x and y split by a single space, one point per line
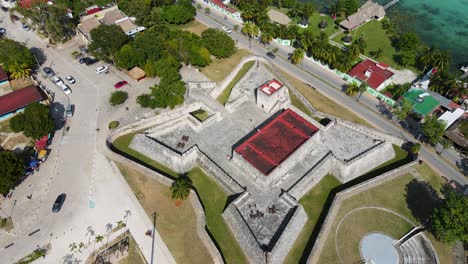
95 196
332 86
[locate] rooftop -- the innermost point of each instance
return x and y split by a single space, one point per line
367 11
279 17
275 140
271 87
372 73
423 102
19 99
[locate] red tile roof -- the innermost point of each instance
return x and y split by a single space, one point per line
377 73
19 99
276 140
3 75
28 3
222 5
271 87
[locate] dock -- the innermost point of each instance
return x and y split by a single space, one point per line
391 4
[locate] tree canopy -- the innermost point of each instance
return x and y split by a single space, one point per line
449 222
118 98
12 170
35 121
14 53
218 43
106 41
403 109
179 13
433 129
180 188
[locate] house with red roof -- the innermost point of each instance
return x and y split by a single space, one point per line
376 75
222 6
28 3
16 101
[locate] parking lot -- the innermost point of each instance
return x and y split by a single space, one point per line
75 166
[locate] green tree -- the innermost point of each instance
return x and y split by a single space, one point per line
126 57
463 128
12 170
207 11
218 43
14 53
35 121
179 13
433 129
19 71
361 43
307 10
449 222
297 56
397 90
408 42
180 187
354 51
118 98
307 40
415 148
406 58
403 109
377 54
107 40
352 89
361 89
428 57
442 82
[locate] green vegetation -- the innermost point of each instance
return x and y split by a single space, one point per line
15 56
180 187
220 68
314 22
433 129
5 127
212 197
463 128
176 222
38 253
313 203
200 114
298 104
114 124
179 13
118 98
6 224
224 97
449 222
35 122
107 40
323 103
193 26
218 43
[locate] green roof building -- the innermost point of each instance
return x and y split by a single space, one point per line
423 102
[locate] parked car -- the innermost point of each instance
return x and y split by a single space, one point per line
120 84
4 8
226 29
49 72
271 55
102 69
25 27
70 110
14 17
66 89
2 31
57 80
70 79
58 203
88 61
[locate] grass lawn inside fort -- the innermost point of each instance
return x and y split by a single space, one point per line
224 97
213 199
195 27
390 195
220 68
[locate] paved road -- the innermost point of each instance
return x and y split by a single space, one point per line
332 86
96 193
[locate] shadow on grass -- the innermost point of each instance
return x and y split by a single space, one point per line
421 199
331 197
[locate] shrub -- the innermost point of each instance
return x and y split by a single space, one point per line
114 124
118 98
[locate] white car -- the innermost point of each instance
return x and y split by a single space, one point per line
102 69
58 81
226 29
66 89
70 79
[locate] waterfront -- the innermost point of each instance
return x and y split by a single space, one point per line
442 24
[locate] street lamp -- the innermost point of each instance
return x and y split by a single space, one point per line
152 234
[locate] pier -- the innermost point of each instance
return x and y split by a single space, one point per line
391 4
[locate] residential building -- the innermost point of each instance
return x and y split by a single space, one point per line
279 17
365 13
15 102
423 102
109 16
376 75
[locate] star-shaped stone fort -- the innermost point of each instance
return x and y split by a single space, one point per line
264 152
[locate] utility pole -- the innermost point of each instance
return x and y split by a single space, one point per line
152 234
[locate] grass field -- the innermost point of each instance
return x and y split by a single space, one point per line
220 68
323 103
390 195
200 114
297 103
224 97
134 255
212 197
195 27
313 203
316 19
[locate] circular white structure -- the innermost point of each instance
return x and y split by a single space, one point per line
378 248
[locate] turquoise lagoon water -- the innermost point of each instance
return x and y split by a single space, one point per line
439 23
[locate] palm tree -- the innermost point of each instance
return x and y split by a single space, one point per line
250 29
428 57
362 88
377 54
180 188
19 71
297 56
293 12
361 43
266 37
352 89
99 238
248 14
293 32
354 50
441 60
306 39
307 10
442 82
282 31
